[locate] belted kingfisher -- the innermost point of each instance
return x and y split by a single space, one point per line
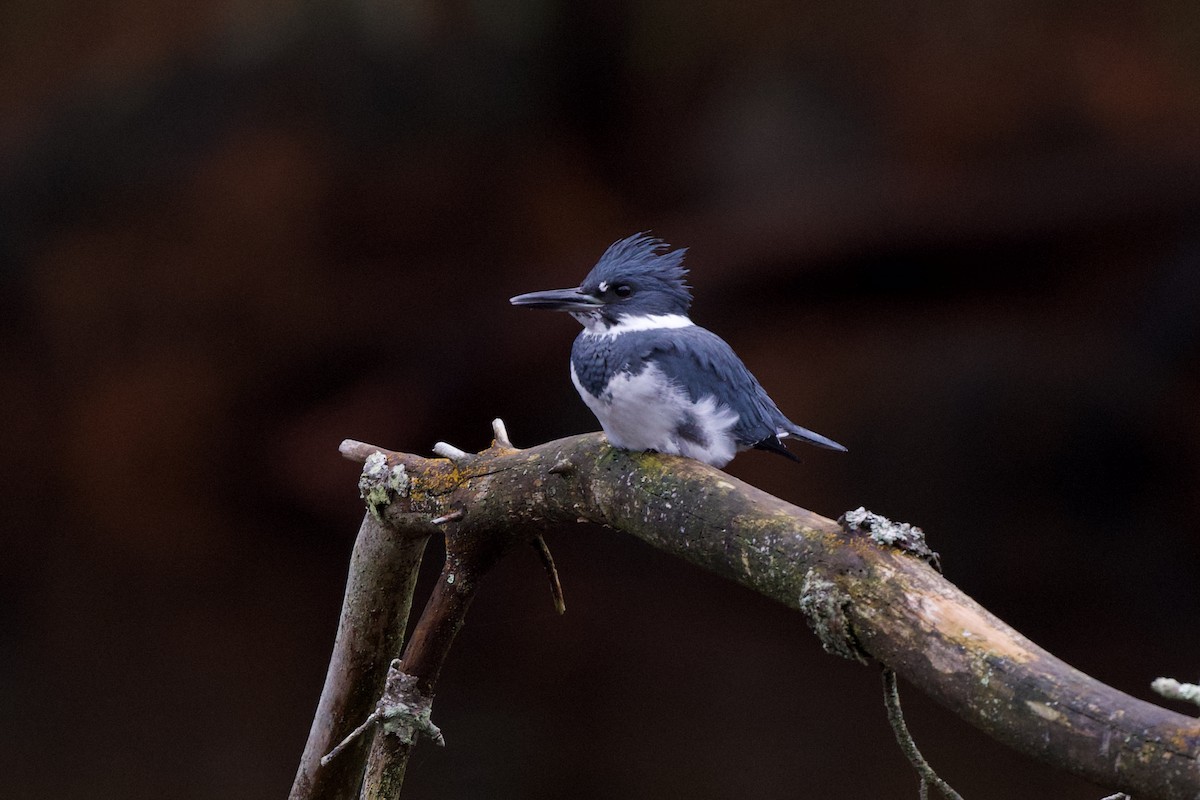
655 380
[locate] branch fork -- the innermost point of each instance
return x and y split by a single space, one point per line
432 498
865 586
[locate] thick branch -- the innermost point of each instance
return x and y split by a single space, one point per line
862 598
469 557
383 573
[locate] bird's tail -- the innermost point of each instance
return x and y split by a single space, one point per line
805 435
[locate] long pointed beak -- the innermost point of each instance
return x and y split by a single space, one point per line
557 300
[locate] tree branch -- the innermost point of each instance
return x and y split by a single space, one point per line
926 773
424 656
379 591
863 599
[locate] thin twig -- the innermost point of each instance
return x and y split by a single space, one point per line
891 699
354 734
560 604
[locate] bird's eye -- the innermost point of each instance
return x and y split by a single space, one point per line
623 290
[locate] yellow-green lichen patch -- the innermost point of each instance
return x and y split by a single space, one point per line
428 489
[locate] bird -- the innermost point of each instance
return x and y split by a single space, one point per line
655 380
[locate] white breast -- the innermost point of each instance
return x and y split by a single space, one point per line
645 412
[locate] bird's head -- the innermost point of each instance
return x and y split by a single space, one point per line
639 276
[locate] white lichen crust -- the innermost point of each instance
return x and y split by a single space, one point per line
824 604
882 530
379 484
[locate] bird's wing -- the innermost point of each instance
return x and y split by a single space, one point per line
703 365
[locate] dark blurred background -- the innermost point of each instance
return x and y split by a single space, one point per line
960 238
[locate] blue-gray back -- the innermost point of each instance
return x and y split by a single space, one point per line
700 362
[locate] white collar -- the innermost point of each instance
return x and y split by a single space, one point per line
594 325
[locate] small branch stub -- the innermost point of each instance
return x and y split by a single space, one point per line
453 516
451 452
500 434
561 467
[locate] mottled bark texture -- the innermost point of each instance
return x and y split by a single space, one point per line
379 591
865 600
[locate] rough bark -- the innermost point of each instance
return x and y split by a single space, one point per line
864 599
424 656
375 608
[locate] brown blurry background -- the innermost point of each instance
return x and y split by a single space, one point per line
960 238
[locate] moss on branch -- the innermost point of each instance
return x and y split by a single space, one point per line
863 597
